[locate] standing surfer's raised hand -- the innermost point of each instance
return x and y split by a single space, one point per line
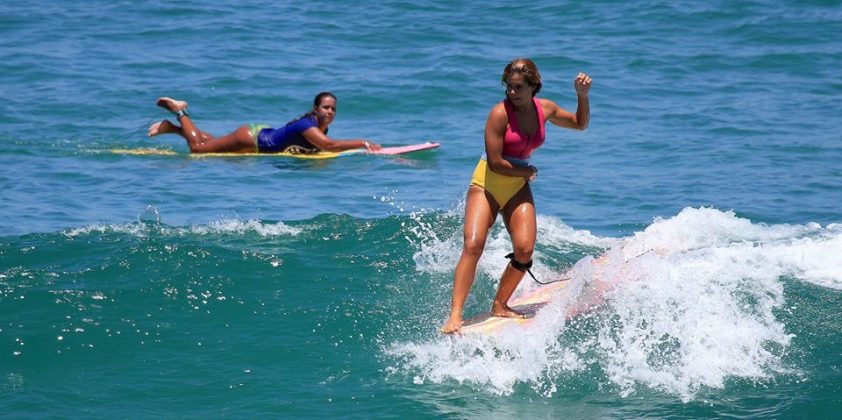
582 84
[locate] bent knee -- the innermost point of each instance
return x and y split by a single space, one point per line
523 253
473 248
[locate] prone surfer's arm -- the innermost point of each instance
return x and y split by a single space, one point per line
319 139
495 128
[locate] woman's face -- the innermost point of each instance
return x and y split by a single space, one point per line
326 111
518 90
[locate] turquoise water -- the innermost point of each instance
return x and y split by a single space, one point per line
147 286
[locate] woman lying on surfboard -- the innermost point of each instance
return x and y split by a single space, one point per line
500 183
307 134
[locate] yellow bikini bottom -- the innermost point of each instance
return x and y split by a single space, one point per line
501 187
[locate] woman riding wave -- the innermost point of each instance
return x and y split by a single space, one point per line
500 183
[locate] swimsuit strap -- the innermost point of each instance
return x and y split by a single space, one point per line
514 124
512 116
541 119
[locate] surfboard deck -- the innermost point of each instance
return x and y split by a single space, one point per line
145 152
400 150
386 151
529 303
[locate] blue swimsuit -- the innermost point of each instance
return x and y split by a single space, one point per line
273 140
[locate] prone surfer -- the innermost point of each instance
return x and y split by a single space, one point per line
306 134
500 183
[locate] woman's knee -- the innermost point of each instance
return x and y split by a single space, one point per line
523 252
473 247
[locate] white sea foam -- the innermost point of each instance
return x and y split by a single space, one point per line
134 229
684 305
235 226
224 226
438 254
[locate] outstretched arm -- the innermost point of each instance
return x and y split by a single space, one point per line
317 138
563 118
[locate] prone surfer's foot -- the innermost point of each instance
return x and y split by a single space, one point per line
171 104
507 312
452 326
161 127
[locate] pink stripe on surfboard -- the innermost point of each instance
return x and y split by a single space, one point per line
397 150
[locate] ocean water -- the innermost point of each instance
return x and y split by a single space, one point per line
170 286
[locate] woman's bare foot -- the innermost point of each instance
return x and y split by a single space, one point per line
507 312
162 127
171 104
452 326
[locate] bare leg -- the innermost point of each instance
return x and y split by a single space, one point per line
164 127
238 141
167 127
480 212
519 216
171 104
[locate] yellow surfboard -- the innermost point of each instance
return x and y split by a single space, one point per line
386 151
167 152
151 152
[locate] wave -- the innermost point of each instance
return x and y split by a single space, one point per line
690 303
686 305
223 226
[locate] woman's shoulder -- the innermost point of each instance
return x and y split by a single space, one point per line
549 107
498 115
547 103
499 109
306 119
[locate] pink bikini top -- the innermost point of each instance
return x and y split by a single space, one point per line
516 144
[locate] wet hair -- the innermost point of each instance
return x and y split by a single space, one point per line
318 100
526 68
